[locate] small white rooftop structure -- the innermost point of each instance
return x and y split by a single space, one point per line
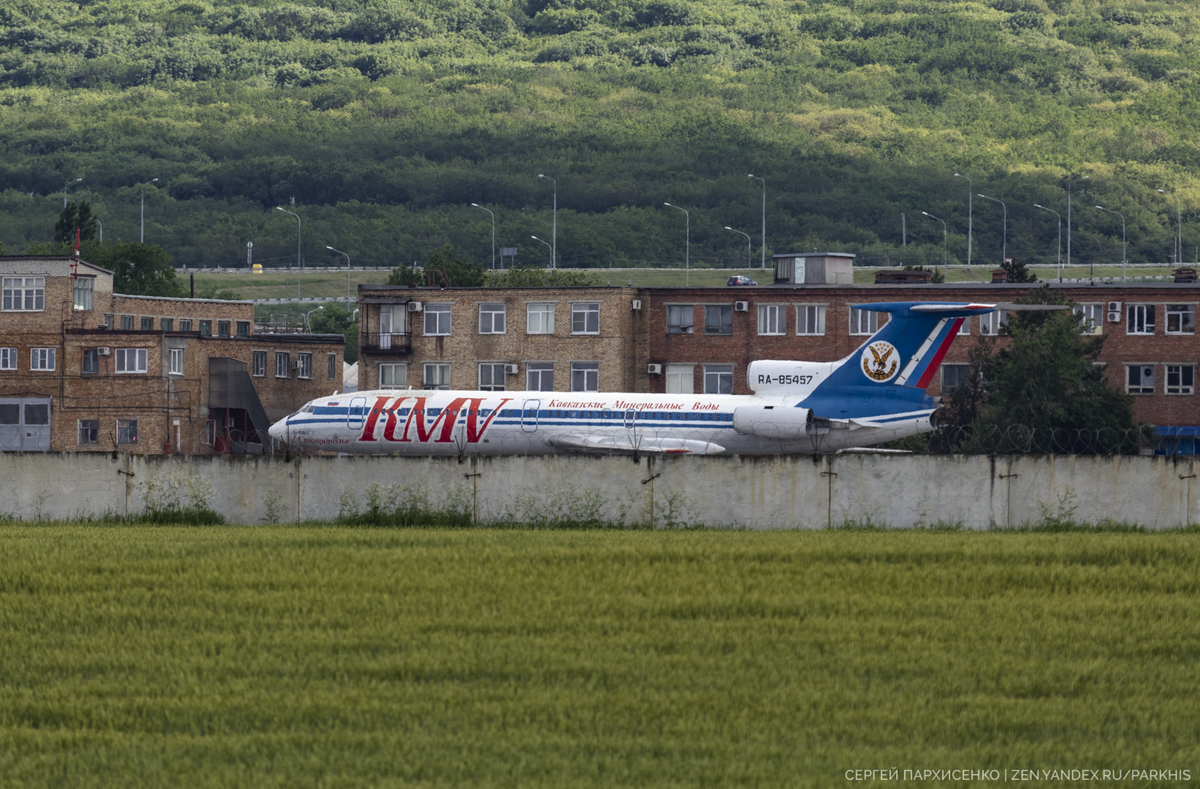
814 268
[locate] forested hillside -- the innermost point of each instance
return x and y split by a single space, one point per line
384 120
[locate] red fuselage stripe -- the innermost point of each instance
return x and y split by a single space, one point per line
941 352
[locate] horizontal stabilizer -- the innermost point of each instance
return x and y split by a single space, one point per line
607 444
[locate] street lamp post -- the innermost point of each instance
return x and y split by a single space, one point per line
340 252
1051 210
1118 213
747 235
1179 218
943 221
1069 182
554 224
687 250
547 243
67 186
1004 254
970 214
477 205
101 226
307 326
142 235
764 219
299 260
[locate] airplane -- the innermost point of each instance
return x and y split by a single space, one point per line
874 395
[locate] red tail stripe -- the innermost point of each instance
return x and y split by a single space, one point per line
936 362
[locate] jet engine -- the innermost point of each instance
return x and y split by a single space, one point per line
772 421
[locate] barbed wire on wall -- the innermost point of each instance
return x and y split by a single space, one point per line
1024 440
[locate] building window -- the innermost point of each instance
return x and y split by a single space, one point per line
1181 379
1181 319
89 431
680 379
994 322
127 432
108 320
585 319
681 319
305 365
167 324
437 376
205 328
126 323
491 376
147 324
8 358
964 328
185 324
42 358
392 320
175 361
491 318
91 361
1139 379
83 292
332 366
283 364
437 320
810 319
771 319
585 376
863 321
539 376
1141 319
258 364
222 328
130 360
718 319
1091 318
539 318
393 376
243 329
24 294
954 376
718 379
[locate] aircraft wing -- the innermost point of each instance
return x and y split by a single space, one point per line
581 442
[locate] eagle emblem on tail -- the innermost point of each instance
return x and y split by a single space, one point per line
880 361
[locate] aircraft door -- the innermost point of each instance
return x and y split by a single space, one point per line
529 416
356 414
630 416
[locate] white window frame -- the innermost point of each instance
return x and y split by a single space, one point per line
1185 379
587 373
175 361
493 318
1091 318
43 359
681 378
539 317
1185 318
435 375
437 320
538 371
1140 319
585 314
8 358
863 322
393 375
810 320
681 319
83 292
126 323
130 361
1141 388
305 368
964 328
283 361
993 323
772 320
496 372
24 294
714 374
258 364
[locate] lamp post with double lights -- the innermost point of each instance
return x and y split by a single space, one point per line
764 219
1004 253
1118 213
554 224
477 205
142 233
970 214
943 221
340 252
299 261
1051 210
547 243
1179 218
1069 183
687 249
749 265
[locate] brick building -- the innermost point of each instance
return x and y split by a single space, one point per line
85 369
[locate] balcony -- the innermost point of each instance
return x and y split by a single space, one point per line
386 343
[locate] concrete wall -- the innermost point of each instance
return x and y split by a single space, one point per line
975 492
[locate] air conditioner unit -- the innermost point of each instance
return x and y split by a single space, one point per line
1114 306
104 351
415 306
654 369
296 365
637 304
741 306
510 369
687 329
1114 317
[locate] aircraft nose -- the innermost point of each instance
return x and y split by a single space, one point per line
278 430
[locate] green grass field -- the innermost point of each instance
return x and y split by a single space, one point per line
309 656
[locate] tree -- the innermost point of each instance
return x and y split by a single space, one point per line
1017 271
936 275
442 269
75 217
138 269
541 277
335 319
